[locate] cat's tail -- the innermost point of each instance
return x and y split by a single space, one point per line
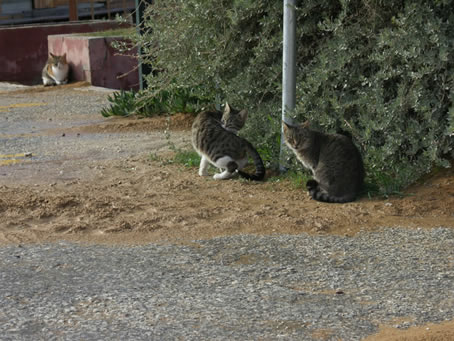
319 194
258 163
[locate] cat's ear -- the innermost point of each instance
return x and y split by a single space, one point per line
64 57
52 55
286 127
227 108
243 114
306 124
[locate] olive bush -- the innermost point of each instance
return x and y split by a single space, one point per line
384 73
379 70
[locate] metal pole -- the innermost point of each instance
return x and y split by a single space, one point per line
144 69
288 71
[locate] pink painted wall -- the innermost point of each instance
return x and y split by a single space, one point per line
93 59
24 49
122 70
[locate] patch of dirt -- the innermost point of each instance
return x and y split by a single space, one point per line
40 88
176 122
122 125
429 332
138 200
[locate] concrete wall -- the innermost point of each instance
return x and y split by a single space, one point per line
94 60
24 49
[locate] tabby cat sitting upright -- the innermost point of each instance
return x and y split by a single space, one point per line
214 137
56 70
334 160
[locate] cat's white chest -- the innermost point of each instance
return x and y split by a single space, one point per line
305 162
60 73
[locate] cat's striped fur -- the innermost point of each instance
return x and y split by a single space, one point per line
214 137
334 160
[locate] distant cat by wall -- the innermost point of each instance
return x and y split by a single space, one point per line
334 160
56 70
214 137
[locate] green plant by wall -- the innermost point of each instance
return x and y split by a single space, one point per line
122 103
380 70
125 103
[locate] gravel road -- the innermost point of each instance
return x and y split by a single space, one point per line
44 124
233 288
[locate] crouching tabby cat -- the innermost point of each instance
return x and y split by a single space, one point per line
214 137
55 71
334 160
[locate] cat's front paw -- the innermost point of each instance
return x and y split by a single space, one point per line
48 82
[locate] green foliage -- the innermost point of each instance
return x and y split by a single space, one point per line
126 103
222 51
176 100
297 178
214 47
122 103
383 72
188 158
380 70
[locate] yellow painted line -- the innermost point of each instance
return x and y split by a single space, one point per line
8 156
10 162
21 105
10 159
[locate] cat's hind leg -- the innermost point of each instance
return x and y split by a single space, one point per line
229 165
224 175
203 168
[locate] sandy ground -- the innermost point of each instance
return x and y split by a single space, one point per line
146 197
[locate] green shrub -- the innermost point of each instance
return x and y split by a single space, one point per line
122 103
223 51
384 74
380 70
125 103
